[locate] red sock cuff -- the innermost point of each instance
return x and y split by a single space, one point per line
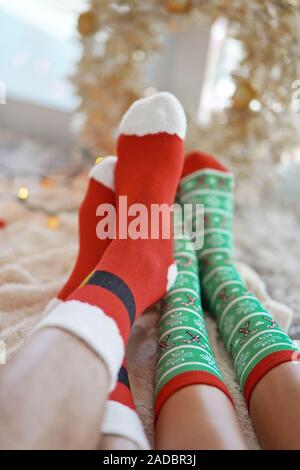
264 366
184 380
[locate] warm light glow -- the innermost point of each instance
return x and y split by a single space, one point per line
98 160
47 183
53 222
23 193
255 105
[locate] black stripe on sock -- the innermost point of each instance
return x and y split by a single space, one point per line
123 377
118 287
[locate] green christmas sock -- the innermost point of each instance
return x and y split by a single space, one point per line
249 332
184 354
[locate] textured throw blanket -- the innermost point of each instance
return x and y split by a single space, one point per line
35 261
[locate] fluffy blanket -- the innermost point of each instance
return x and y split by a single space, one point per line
35 260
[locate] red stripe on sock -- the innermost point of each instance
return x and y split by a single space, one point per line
122 394
184 380
108 302
264 366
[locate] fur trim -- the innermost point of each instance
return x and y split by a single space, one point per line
104 172
94 327
158 113
119 420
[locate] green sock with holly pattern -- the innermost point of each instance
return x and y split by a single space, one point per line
184 354
254 339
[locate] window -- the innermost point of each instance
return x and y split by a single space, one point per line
39 50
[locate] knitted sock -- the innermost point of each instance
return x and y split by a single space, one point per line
250 334
150 157
101 190
184 354
120 417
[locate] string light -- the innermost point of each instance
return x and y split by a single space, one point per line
44 180
3 223
47 182
23 193
53 222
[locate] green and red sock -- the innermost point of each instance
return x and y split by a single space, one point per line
184 354
249 332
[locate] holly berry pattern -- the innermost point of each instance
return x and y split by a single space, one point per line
183 344
248 331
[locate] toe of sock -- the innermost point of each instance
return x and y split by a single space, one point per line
104 172
161 112
199 161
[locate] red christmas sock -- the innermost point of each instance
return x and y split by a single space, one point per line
121 418
101 190
150 159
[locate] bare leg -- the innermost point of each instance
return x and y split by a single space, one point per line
275 407
198 417
52 394
110 442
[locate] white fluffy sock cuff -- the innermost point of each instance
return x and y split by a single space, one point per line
94 327
161 112
119 420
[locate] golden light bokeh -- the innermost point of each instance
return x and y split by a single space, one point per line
53 222
23 193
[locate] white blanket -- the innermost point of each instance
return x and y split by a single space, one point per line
34 263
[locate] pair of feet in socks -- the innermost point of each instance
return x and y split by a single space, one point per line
114 281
